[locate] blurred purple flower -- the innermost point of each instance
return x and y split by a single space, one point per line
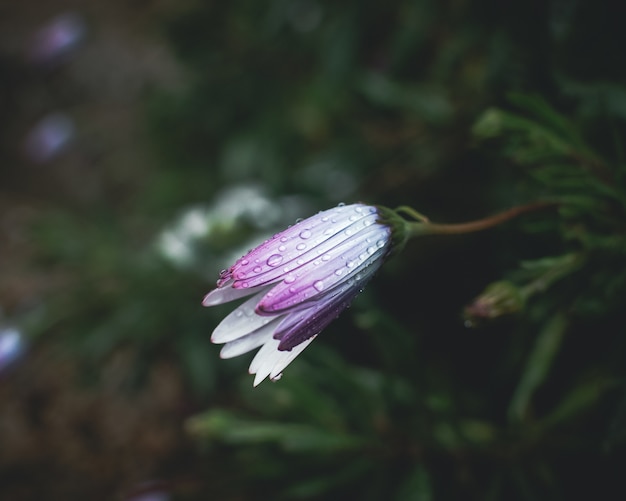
299 280
49 137
12 346
57 38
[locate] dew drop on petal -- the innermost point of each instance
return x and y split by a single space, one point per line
339 271
245 285
283 239
326 257
289 279
304 234
318 286
274 260
341 204
282 248
244 262
257 269
300 247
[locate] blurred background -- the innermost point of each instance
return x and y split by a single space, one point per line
146 145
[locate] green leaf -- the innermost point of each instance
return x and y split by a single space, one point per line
537 366
224 426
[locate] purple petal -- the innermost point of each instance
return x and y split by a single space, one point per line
318 277
306 323
299 244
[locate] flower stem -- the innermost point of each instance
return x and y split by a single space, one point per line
424 227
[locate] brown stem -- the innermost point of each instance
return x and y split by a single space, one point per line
482 224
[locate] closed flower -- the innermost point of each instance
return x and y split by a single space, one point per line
298 282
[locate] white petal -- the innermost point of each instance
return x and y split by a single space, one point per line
226 294
270 362
240 322
249 342
289 357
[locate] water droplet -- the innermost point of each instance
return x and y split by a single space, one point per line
238 313
300 247
257 269
245 285
353 218
324 219
341 204
283 239
292 290
289 279
244 262
318 286
358 209
339 271
299 220
304 234
371 250
350 264
299 262
380 243
348 232
274 260
282 248
326 257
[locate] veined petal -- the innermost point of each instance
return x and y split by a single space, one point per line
274 258
271 362
240 322
315 253
317 278
250 341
